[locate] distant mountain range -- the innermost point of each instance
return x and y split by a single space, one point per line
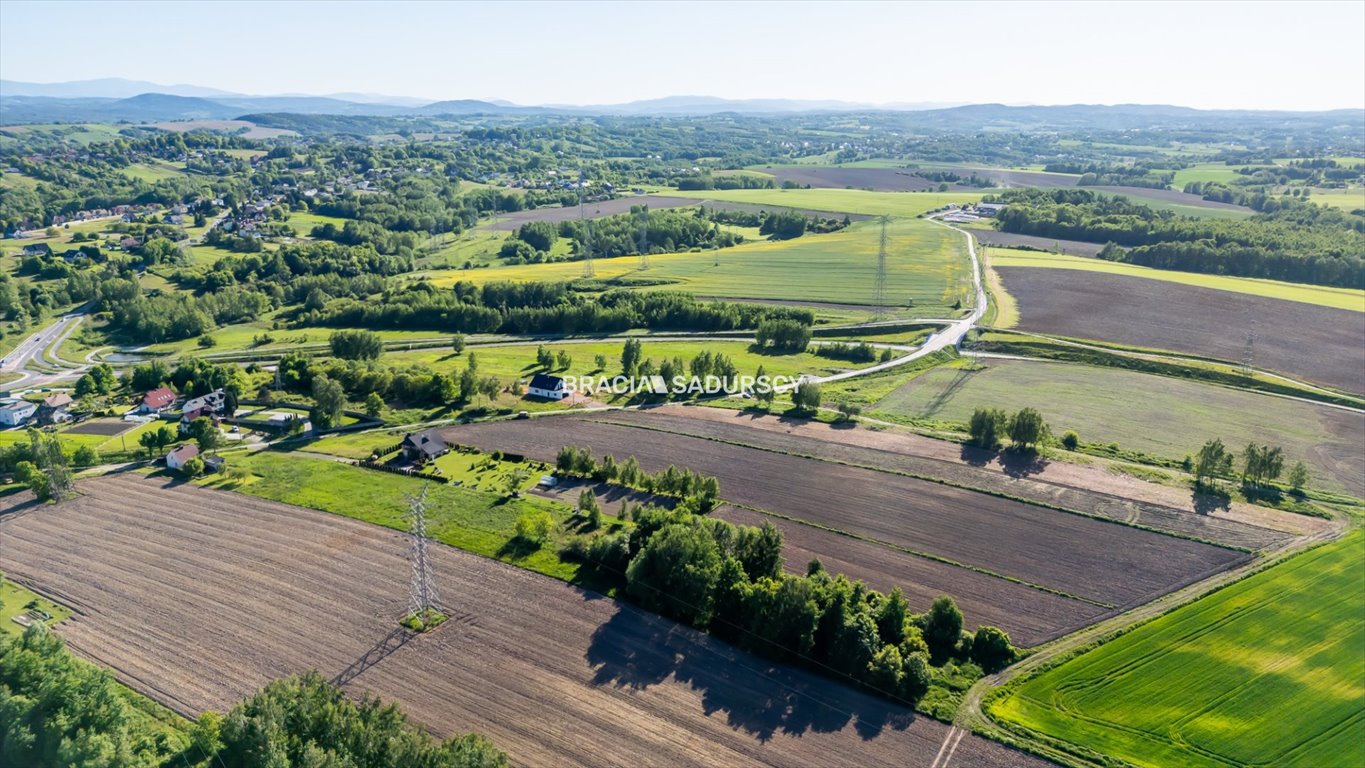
119 100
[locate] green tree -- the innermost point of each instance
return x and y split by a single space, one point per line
892 616
192 468
563 361
942 627
1070 440
533 526
457 343
374 405
357 345
1213 460
676 573
589 509
1027 429
631 354
1298 477
991 648
329 400
806 396
545 359
985 427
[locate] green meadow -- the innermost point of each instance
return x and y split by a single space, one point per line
1157 415
927 268
1269 671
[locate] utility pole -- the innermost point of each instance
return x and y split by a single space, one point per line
644 240
1249 352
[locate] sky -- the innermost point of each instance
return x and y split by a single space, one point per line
1220 55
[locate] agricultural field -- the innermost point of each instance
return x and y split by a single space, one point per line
839 200
1324 346
1087 490
1011 240
1181 203
1249 692
1346 199
1085 559
153 171
197 597
1158 415
926 265
507 222
1318 295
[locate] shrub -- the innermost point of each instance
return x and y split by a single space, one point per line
1070 440
533 526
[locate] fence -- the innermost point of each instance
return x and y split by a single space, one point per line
401 471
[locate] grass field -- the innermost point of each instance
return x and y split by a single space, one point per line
1153 414
1268 671
1320 295
153 171
926 264
1346 199
14 601
477 521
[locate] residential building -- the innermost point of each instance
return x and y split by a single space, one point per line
16 413
421 447
157 400
182 453
547 386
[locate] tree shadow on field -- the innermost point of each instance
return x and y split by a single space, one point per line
976 456
1019 464
1208 503
636 650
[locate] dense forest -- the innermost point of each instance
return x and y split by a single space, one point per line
1302 243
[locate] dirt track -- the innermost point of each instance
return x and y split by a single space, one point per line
198 597
1092 559
1321 345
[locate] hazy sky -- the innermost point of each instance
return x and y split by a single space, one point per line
1296 55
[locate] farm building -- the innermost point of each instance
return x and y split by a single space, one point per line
989 209
16 413
55 409
37 249
156 400
421 447
547 386
182 453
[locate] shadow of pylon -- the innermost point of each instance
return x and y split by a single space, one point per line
381 650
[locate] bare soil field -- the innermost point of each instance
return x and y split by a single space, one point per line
1093 477
1012 240
1170 196
199 597
1030 616
508 222
1006 177
875 179
727 205
1095 560
993 472
102 427
1321 345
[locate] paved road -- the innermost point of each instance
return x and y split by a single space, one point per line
950 336
32 348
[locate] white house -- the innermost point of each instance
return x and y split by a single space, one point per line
547 386
182 453
16 413
212 402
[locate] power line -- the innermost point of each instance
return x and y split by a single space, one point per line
588 270
879 286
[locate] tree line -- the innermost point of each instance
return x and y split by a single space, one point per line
58 711
1304 243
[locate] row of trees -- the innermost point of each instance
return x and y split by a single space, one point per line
1261 466
58 711
701 492
729 580
641 230
1025 428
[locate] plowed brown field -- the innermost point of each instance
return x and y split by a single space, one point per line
198 597
1095 560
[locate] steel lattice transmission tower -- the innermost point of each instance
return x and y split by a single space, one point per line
879 287
644 241
1249 353
423 595
588 270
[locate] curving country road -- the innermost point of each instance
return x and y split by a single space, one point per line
32 348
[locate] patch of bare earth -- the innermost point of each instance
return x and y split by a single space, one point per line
199 597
